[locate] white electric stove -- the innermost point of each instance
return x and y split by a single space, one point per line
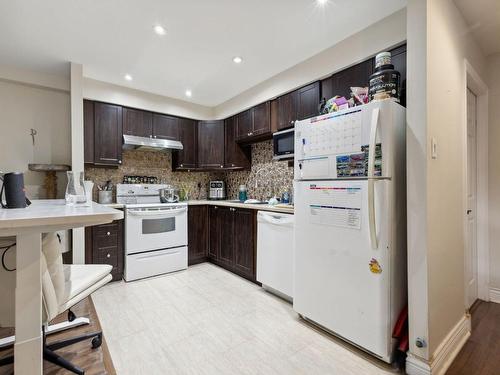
155 232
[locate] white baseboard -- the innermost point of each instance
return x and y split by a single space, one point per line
495 295
444 354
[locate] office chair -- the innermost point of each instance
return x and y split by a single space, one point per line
63 286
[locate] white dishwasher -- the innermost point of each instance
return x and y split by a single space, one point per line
275 252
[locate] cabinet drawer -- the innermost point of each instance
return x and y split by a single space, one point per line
106 235
107 255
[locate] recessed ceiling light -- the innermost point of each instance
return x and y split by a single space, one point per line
189 93
237 59
322 2
128 77
160 30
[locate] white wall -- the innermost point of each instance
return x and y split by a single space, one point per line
46 110
386 33
108 92
441 251
493 82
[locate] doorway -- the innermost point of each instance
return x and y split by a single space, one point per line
471 235
475 185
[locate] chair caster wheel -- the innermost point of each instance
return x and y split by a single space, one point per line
96 341
71 316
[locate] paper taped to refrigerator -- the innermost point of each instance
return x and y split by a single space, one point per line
338 206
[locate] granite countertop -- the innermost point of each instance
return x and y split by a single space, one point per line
227 203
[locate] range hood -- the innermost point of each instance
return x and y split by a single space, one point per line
151 144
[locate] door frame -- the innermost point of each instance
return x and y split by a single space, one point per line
473 81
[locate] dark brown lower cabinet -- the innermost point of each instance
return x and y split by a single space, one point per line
232 234
104 245
244 241
197 234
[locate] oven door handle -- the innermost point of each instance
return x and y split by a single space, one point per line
162 213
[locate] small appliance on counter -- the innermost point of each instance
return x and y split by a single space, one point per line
169 194
15 193
217 190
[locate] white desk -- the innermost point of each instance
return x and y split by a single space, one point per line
27 224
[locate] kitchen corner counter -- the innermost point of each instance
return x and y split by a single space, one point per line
227 203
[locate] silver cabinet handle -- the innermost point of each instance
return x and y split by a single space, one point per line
119 161
182 165
108 255
108 233
232 209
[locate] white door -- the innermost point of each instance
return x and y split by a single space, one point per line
471 235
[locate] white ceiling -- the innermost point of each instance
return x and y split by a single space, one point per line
483 19
112 38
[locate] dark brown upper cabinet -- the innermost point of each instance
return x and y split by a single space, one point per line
165 127
244 121
235 155
88 131
211 144
287 110
186 159
298 105
137 122
254 124
107 134
308 98
262 119
340 83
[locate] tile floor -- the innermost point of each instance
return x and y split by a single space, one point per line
206 320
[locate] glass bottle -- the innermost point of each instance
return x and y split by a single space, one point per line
75 190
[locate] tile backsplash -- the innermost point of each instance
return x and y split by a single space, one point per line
266 178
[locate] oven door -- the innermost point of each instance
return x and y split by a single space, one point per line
155 228
284 144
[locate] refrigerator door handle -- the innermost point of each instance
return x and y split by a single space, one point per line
371 179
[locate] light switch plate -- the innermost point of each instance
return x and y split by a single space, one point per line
434 152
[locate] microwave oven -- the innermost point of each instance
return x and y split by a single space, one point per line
283 144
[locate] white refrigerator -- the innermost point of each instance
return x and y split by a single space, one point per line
350 223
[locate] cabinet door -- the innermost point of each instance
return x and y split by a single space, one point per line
261 119
88 131
399 61
308 101
211 144
235 156
186 158
244 242
226 223
107 134
213 232
165 127
137 122
244 124
287 110
340 83
197 234
107 246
